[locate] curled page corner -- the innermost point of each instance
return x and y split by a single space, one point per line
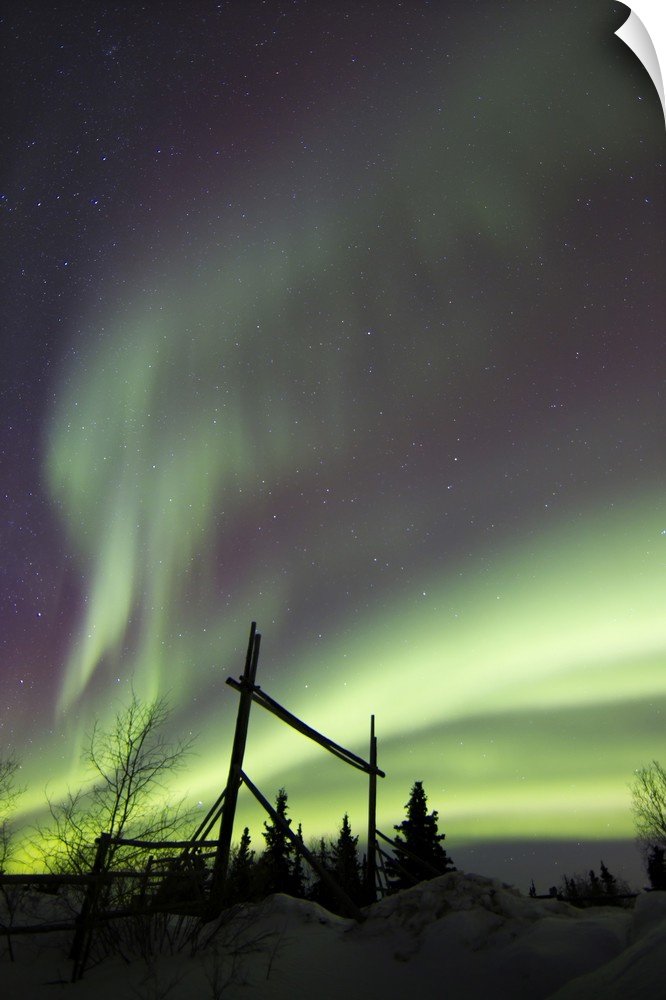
634 33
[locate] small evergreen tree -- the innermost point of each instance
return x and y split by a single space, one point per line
297 880
593 890
275 862
319 891
279 869
345 867
418 852
569 888
656 867
241 871
608 881
594 883
340 861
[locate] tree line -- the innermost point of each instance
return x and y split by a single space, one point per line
589 889
418 854
130 764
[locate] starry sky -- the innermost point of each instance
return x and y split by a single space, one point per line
346 318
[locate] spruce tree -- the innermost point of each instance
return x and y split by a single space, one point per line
594 883
275 874
340 860
592 889
418 852
609 881
241 869
319 891
345 867
297 876
570 888
656 867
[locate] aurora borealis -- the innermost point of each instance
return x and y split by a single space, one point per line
348 319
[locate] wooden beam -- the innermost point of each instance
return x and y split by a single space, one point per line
162 844
348 904
207 823
370 858
261 698
216 897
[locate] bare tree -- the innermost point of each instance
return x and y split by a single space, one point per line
9 792
130 763
649 805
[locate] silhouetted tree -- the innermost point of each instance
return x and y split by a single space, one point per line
570 888
9 792
341 862
594 883
656 867
319 891
649 805
608 881
240 886
275 867
418 850
592 889
297 870
129 764
345 867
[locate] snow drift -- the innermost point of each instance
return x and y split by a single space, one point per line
465 936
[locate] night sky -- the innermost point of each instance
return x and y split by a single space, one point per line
346 317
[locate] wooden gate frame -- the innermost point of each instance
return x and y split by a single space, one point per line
249 691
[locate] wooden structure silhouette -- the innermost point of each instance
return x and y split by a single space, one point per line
251 692
182 883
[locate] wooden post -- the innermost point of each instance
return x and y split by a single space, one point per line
86 918
216 897
370 870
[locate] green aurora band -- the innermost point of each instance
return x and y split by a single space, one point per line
200 455
492 681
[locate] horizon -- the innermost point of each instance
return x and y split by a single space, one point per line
348 321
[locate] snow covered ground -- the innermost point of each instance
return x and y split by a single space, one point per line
461 936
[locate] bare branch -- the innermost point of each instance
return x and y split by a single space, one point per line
9 792
131 762
649 804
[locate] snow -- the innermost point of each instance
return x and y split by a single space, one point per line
463 935
637 972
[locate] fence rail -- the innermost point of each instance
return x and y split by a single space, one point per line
150 888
